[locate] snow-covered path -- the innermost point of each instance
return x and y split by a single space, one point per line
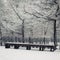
18 54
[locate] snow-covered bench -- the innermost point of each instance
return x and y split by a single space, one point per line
29 45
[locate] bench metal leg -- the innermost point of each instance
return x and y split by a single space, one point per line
16 46
43 48
51 49
54 48
28 48
39 48
7 46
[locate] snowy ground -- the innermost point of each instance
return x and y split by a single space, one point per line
22 54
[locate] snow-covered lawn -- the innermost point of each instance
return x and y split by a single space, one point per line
20 54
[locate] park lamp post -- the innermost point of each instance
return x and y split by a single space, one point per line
54 35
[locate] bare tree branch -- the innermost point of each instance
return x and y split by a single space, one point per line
34 14
15 11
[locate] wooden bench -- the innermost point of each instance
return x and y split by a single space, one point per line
29 45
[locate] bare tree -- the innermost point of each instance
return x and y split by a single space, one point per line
52 6
20 19
0 34
45 10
